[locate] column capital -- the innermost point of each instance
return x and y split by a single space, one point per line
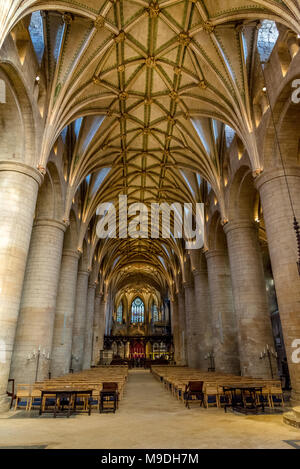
92 286
18 167
50 222
240 225
276 173
215 253
71 253
188 284
197 272
83 273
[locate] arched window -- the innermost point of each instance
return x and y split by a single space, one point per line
137 311
154 312
266 39
120 313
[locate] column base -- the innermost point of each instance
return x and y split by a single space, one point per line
293 418
5 401
295 398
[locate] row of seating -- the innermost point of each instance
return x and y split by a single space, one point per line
178 380
107 384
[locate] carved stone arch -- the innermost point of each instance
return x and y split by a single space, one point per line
18 135
71 235
84 259
50 200
198 260
11 147
187 269
286 117
242 195
216 238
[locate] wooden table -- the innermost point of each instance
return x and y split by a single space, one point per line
245 398
70 395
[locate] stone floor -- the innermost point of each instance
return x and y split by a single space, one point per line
149 417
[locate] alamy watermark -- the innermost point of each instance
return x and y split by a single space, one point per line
296 93
296 353
137 220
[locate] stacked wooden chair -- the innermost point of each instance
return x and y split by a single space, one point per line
98 381
178 381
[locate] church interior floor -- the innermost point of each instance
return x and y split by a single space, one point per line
148 417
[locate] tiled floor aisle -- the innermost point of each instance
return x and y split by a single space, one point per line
149 417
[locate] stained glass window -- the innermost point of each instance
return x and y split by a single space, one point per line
120 313
137 311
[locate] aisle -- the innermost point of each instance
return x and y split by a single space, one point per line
148 417
145 396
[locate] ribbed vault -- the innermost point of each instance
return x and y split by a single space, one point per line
145 89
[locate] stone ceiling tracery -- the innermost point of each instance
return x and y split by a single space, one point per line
153 81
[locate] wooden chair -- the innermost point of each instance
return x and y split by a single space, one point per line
35 398
109 397
265 397
194 392
23 393
276 395
95 401
211 395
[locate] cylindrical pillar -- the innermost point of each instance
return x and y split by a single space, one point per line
182 327
225 345
250 299
96 327
102 323
201 327
64 316
175 329
278 219
18 194
88 338
38 303
189 296
127 350
79 320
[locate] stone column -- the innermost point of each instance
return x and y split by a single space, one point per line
250 298
201 327
225 346
102 323
278 219
88 338
190 313
38 303
19 185
182 328
148 350
79 320
175 329
64 316
127 350
96 330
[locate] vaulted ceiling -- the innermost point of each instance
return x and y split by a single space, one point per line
154 83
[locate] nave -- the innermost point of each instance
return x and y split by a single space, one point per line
111 107
149 417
